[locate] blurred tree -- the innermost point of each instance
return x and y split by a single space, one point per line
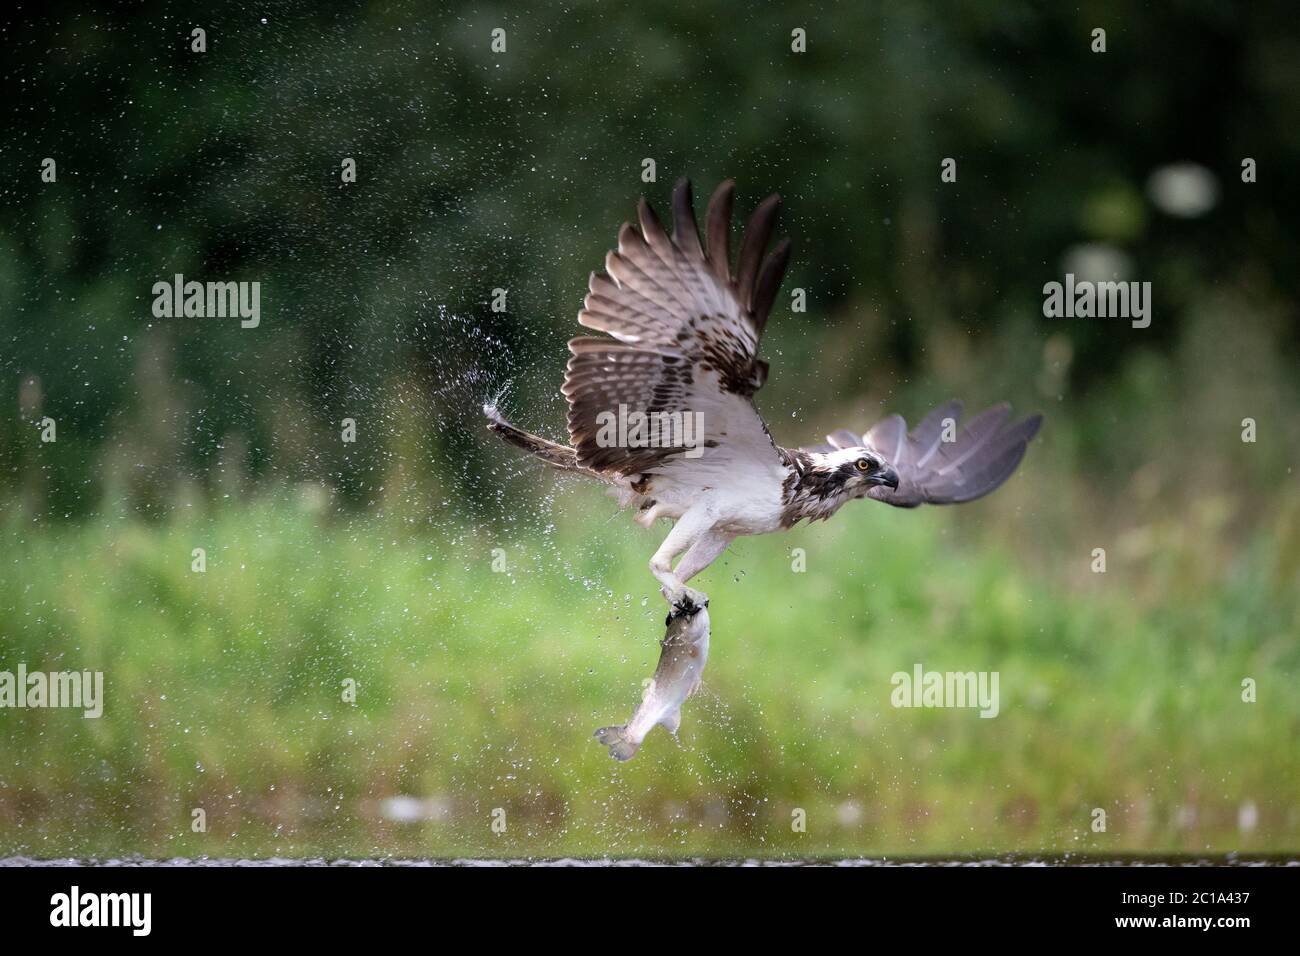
478 169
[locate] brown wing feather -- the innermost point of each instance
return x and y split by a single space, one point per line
930 470
683 328
981 457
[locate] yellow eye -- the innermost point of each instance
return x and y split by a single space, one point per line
864 465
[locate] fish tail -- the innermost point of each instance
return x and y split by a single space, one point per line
621 746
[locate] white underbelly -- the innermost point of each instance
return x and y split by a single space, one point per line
751 505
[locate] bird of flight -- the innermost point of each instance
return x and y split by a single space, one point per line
685 333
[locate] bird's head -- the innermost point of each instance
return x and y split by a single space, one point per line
862 469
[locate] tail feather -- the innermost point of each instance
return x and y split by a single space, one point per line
553 453
616 739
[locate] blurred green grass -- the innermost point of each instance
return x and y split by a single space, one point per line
479 690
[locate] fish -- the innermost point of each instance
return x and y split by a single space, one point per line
682 655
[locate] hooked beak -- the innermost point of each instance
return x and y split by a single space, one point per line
886 476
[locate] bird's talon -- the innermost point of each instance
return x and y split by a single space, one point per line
685 602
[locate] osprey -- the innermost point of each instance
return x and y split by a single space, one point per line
685 333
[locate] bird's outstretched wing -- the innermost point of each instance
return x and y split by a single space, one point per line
980 456
685 334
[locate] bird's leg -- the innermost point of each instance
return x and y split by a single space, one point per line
648 516
689 528
702 553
